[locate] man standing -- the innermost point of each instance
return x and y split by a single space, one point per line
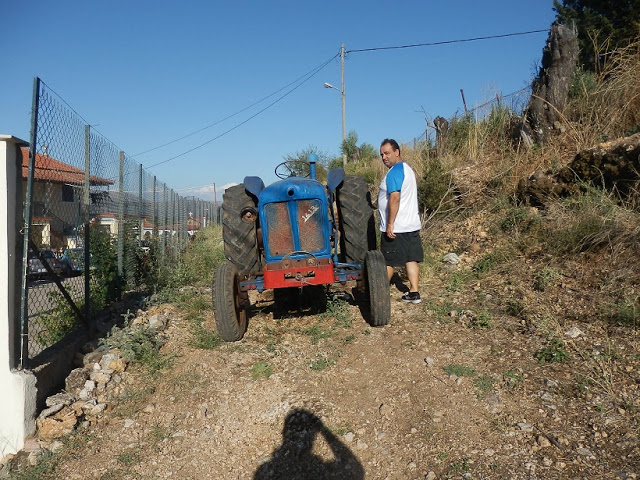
399 218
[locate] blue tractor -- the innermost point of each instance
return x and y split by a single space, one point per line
297 233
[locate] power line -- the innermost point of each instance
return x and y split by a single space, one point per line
445 42
229 116
309 76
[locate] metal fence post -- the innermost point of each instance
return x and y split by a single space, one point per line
163 237
87 220
199 214
24 301
173 222
140 204
154 218
178 224
181 202
120 246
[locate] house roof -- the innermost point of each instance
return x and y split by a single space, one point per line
49 169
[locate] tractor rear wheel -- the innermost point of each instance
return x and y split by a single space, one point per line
355 219
239 231
377 288
229 303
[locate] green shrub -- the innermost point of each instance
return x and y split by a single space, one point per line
491 260
338 310
203 337
58 321
435 186
139 344
105 282
460 132
519 219
587 222
545 278
321 363
516 307
512 378
583 84
482 320
484 384
317 333
197 264
554 352
262 369
459 370
624 312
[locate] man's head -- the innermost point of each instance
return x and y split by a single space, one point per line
390 152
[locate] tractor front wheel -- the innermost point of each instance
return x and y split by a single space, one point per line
229 303
377 288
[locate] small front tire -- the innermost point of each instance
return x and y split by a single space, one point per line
229 303
377 288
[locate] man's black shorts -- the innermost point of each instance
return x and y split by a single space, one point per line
406 247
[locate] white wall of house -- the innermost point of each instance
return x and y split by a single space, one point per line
18 397
111 223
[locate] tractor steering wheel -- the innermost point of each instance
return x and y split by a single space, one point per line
293 168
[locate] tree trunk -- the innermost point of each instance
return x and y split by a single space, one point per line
551 87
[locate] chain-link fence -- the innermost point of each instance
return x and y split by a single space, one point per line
96 224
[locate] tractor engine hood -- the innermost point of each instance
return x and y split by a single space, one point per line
293 188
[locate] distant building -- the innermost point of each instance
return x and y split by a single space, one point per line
57 199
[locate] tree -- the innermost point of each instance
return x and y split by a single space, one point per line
365 152
300 157
608 23
349 146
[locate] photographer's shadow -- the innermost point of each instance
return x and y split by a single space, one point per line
294 459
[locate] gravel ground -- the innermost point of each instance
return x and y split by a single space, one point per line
447 390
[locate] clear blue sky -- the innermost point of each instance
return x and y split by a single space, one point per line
148 72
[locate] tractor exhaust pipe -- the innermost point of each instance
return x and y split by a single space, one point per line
312 158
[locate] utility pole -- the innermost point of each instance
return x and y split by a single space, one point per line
344 131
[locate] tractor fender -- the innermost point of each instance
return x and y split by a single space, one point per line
335 178
254 185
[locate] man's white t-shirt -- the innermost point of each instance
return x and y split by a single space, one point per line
400 178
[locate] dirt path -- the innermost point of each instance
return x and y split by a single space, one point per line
439 393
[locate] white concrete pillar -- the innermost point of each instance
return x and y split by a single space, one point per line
17 388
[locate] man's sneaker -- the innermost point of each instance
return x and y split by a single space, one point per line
411 297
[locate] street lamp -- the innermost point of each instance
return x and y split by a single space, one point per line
341 90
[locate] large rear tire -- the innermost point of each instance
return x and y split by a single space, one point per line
355 219
229 303
239 234
377 289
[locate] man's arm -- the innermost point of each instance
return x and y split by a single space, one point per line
392 211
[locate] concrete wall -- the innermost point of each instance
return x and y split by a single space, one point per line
17 388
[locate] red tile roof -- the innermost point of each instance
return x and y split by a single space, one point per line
51 170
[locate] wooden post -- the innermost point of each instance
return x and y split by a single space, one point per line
442 126
464 102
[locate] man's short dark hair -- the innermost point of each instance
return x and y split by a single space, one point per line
391 142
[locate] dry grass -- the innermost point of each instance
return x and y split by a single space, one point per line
606 105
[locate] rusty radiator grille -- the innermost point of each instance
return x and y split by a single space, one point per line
310 225
279 237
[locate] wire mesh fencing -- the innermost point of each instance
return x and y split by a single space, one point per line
96 224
